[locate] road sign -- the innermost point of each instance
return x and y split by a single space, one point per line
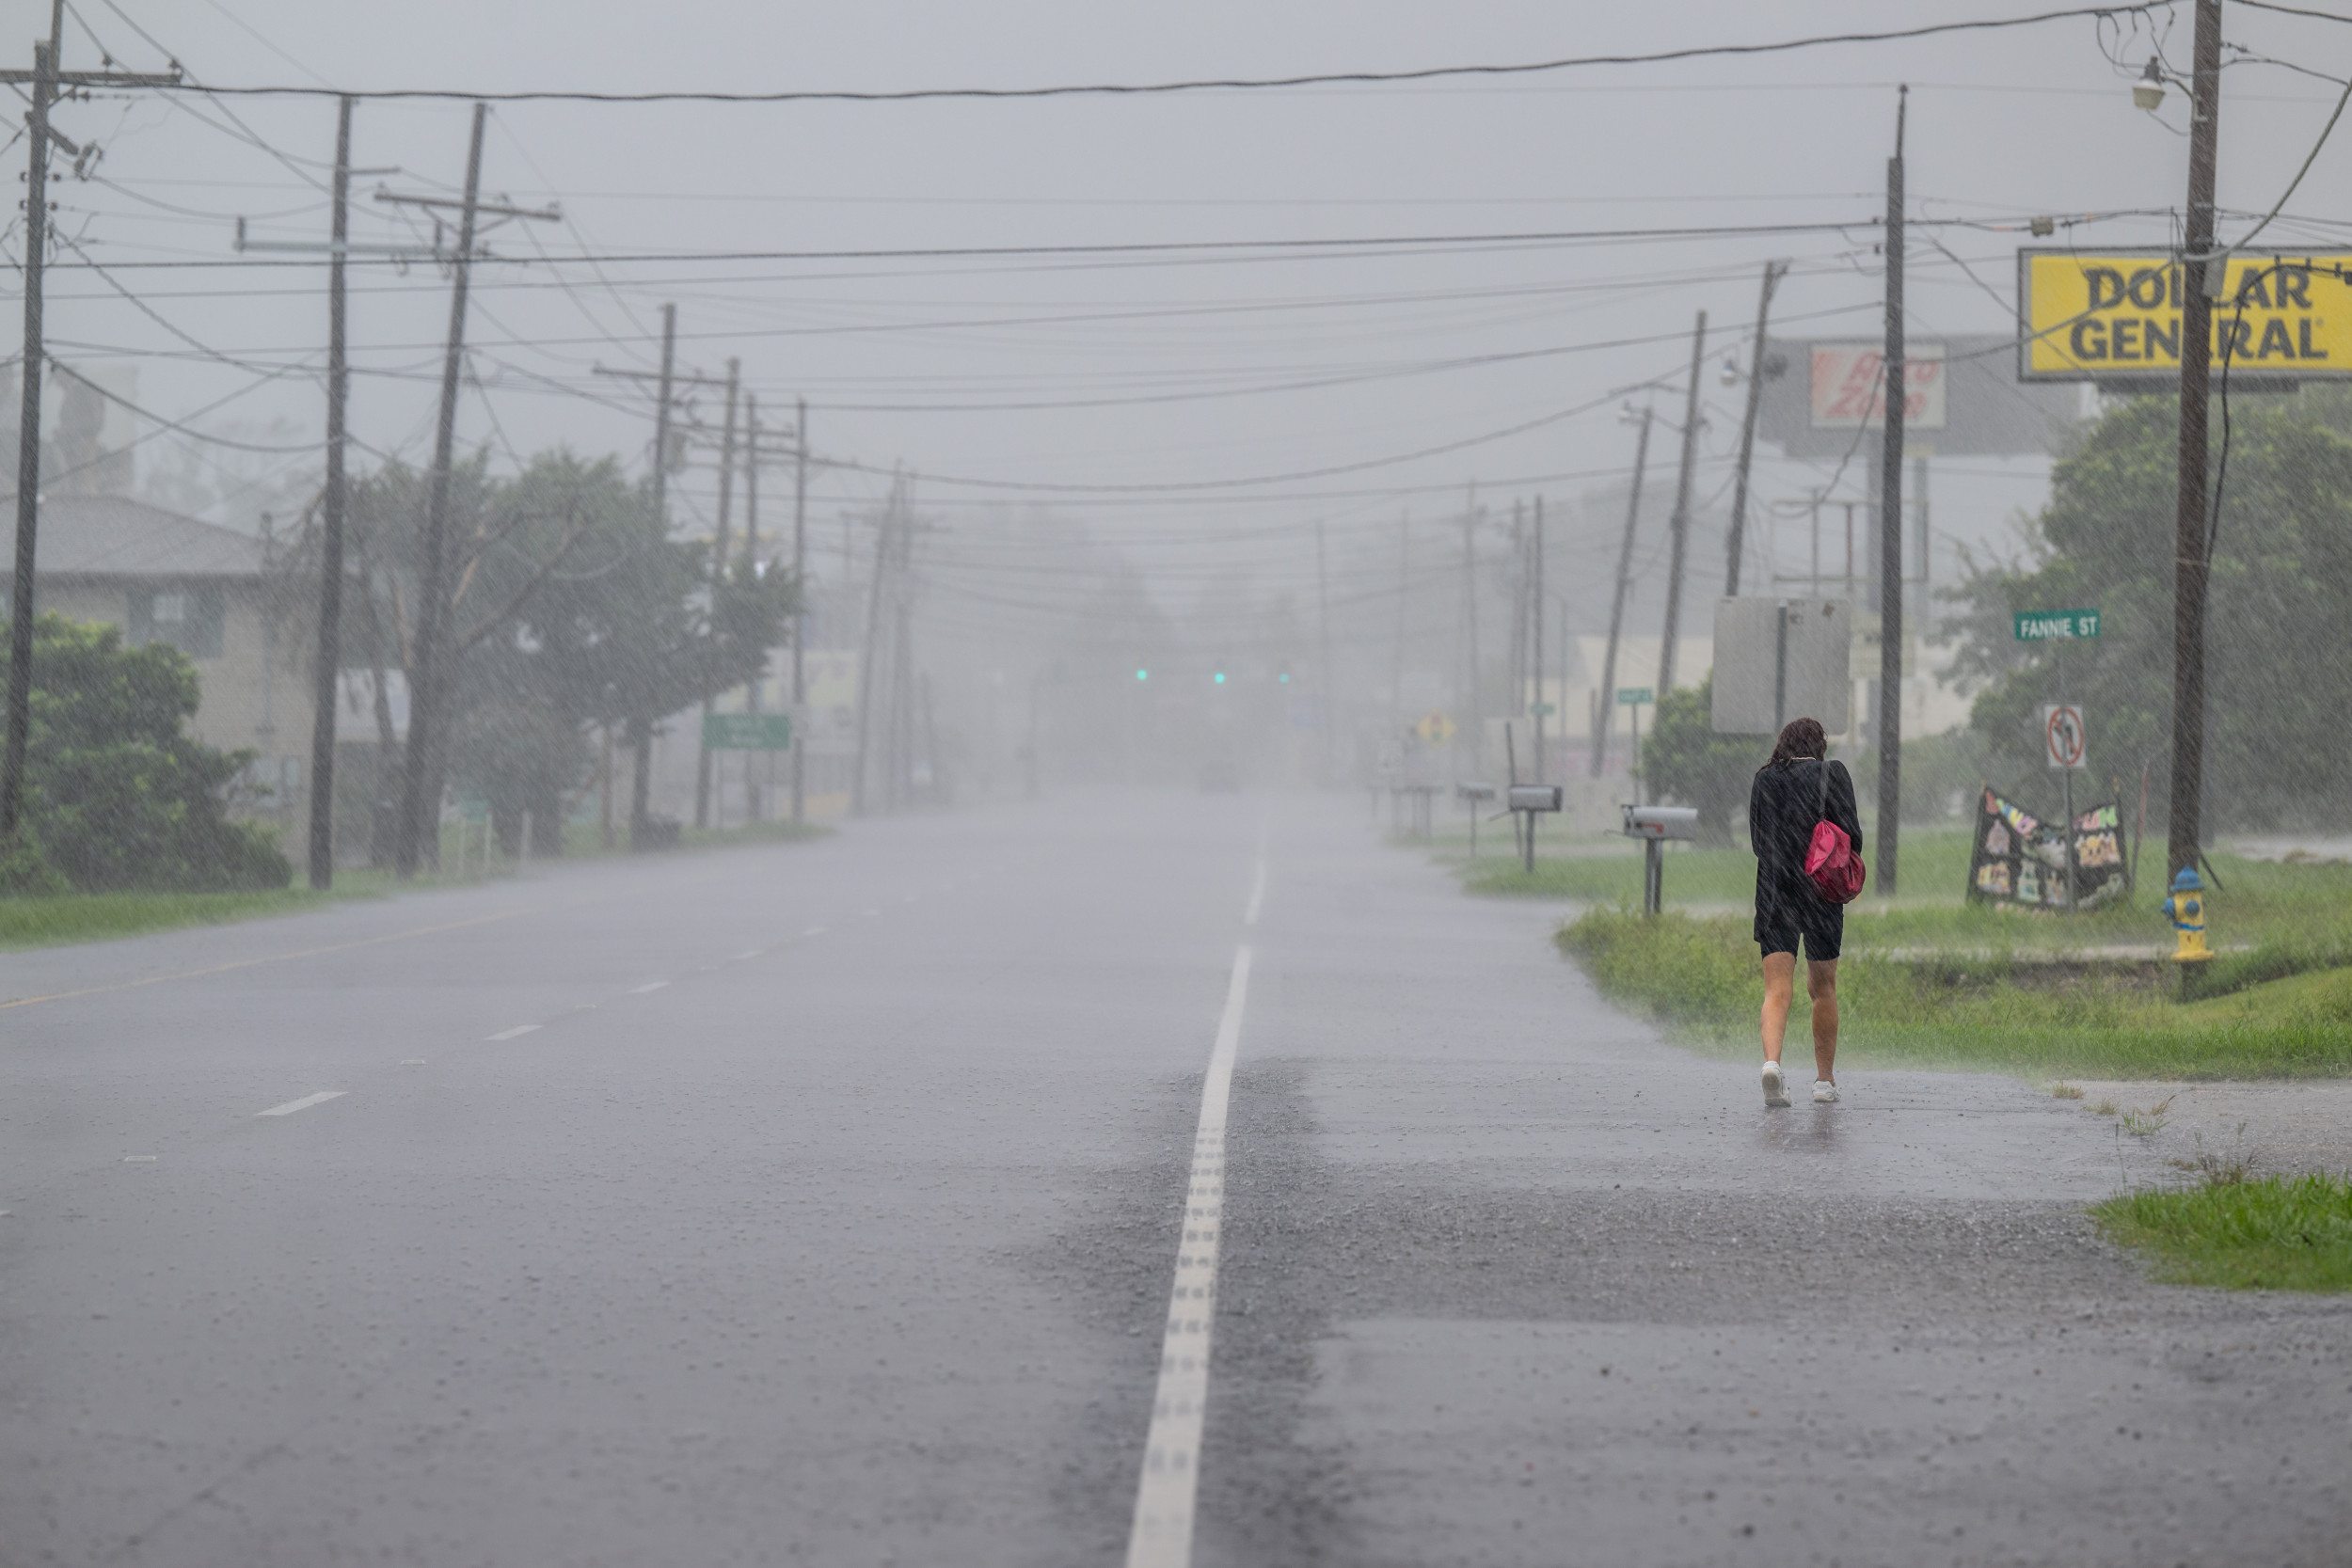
2062 735
747 732
1434 728
1634 696
2056 625
1542 710
2115 318
1778 660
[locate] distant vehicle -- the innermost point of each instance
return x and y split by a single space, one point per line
1220 778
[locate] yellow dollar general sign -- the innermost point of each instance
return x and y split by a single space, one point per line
2116 318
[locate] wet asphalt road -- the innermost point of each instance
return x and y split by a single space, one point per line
819 1205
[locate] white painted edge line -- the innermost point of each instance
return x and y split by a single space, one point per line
1161 1536
1257 895
814 931
304 1104
753 953
514 1033
650 985
138 1159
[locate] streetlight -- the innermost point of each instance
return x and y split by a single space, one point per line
2148 92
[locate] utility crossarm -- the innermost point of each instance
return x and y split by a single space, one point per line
676 377
551 213
98 78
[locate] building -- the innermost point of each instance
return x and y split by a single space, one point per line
204 589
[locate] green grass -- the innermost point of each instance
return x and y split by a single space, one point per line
26 922
78 917
2276 1233
1972 1009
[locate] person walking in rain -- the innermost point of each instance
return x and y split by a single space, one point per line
1799 787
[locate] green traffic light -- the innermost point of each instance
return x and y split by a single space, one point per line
1220 677
1143 674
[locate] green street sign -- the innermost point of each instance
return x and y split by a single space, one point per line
1634 696
1542 710
747 732
2056 625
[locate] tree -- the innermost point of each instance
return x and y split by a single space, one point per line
1685 761
2279 627
115 796
571 604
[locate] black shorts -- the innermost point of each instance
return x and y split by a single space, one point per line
1785 913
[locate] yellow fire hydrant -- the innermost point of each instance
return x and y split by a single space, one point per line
2187 911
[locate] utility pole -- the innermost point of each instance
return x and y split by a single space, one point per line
1738 541
330 658
1890 735
1474 729
666 382
2191 562
1680 524
1536 660
1605 700
800 617
718 581
865 660
45 79
641 725
421 792
751 569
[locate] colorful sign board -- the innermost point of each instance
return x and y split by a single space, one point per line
1634 696
2115 317
1434 728
2056 625
2018 859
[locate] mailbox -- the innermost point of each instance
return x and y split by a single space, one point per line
1658 822
1534 797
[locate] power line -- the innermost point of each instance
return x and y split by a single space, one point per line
1231 84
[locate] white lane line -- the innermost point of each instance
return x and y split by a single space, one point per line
138 1159
412 1061
1161 1533
650 985
814 931
1257 894
304 1104
753 953
514 1033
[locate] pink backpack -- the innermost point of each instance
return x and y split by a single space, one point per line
1837 872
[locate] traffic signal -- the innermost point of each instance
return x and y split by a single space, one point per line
1220 677
1143 674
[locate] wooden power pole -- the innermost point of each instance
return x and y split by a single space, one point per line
2191 561
1680 524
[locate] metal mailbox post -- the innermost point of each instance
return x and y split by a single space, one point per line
1653 826
1531 799
1475 796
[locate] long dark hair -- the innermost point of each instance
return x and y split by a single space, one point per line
1802 739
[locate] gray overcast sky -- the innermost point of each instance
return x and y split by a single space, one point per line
1126 371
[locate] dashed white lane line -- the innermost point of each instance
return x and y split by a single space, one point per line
1257 895
138 1159
304 1104
753 953
412 1061
516 1032
650 985
1165 1498
814 931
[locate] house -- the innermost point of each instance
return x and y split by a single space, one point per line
204 589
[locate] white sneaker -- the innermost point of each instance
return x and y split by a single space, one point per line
1775 1087
1825 1092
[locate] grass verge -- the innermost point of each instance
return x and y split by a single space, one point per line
2274 1233
78 917
1985 1009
